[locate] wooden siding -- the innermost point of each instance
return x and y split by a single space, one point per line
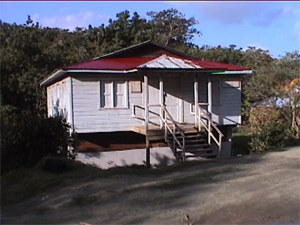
59 99
228 112
89 118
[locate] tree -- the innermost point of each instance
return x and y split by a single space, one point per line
229 54
29 53
170 27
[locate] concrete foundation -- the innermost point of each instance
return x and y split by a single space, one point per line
159 157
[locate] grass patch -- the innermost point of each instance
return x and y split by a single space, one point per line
241 138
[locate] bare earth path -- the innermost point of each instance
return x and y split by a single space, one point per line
255 189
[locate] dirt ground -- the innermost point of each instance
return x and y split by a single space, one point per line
254 189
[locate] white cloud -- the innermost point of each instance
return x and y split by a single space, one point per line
262 47
35 17
257 46
297 31
71 21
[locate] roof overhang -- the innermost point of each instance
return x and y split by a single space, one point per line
59 74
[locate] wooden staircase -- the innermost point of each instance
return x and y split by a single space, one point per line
188 140
196 144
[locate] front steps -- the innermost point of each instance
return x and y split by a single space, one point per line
196 145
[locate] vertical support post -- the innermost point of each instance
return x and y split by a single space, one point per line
161 100
146 100
196 98
147 120
181 102
209 96
209 132
147 153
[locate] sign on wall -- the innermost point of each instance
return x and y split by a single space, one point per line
231 83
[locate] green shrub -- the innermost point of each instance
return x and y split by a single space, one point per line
269 130
269 137
25 138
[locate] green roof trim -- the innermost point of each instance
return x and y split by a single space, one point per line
233 72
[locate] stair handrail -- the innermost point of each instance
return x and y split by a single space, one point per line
164 118
201 112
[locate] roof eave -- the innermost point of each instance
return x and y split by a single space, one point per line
57 75
54 76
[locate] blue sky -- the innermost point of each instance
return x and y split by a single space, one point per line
273 26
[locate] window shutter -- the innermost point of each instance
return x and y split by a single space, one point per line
119 91
106 94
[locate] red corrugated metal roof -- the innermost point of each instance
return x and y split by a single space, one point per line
109 64
111 61
215 65
133 63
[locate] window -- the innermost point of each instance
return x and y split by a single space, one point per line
113 94
216 92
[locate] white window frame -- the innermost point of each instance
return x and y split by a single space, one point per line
113 94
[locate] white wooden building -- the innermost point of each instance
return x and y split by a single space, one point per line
155 91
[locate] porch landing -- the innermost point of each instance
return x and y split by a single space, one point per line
154 133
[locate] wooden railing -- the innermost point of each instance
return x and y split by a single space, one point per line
173 129
203 119
169 125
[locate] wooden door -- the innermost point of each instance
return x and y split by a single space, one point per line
172 97
154 100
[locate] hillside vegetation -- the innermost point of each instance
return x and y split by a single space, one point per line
30 52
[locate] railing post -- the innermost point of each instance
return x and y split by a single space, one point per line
209 132
196 96
165 123
199 118
220 146
174 141
161 99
